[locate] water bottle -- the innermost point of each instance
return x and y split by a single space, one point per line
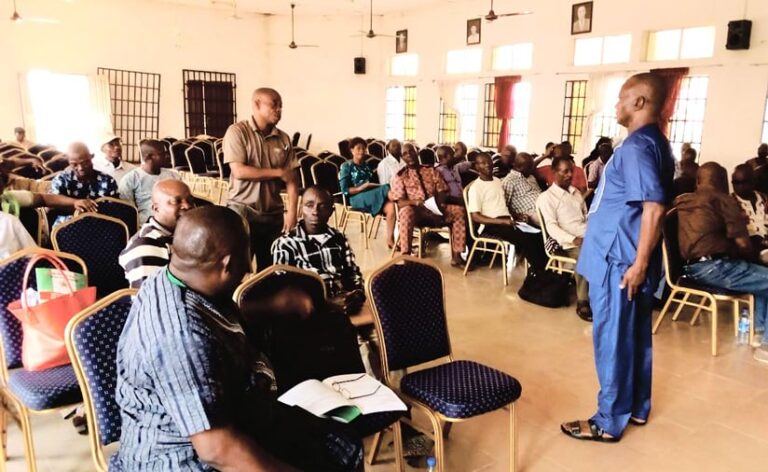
431 464
744 327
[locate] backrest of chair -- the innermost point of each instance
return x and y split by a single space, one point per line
11 279
100 254
295 139
277 277
92 337
673 260
309 141
48 154
376 149
326 175
306 164
409 308
427 157
121 210
336 159
544 234
344 149
208 154
178 158
195 159
31 172
57 164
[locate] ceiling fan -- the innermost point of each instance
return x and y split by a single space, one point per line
370 34
493 16
18 18
293 44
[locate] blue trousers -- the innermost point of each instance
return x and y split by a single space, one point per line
621 333
737 275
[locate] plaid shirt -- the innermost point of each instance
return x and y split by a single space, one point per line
328 255
521 193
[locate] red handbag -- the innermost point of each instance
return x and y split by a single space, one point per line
43 325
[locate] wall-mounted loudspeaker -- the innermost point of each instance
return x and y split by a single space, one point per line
738 34
359 65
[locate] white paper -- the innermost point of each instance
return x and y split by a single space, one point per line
315 397
431 205
526 228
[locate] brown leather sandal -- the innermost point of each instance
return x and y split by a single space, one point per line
587 431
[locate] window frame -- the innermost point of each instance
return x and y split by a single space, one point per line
573 122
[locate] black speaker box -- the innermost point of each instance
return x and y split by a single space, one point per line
738 34
359 65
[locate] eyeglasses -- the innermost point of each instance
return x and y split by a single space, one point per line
346 393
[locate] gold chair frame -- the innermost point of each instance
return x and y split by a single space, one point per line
97 450
23 413
556 263
82 216
121 202
440 431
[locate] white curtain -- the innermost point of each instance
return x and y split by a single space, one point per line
62 108
602 94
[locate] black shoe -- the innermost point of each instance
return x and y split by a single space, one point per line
584 311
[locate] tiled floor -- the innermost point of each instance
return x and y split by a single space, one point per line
709 414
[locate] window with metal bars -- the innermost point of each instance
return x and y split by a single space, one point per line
135 100
400 119
447 132
209 102
491 124
687 123
574 111
518 126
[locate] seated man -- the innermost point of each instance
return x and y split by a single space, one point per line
759 164
506 161
111 162
448 167
486 206
314 246
150 248
136 186
579 177
81 180
594 169
193 391
715 243
686 182
565 217
753 204
391 163
416 185
21 138
521 189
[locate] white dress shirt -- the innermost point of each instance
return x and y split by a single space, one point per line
13 236
388 167
564 213
103 165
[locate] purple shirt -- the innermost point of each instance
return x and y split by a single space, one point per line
452 178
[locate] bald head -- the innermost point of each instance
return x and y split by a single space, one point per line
641 100
170 198
712 177
267 107
210 250
80 161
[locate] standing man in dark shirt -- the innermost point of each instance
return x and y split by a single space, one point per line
262 162
621 260
715 242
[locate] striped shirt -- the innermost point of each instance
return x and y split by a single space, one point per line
146 252
327 254
184 366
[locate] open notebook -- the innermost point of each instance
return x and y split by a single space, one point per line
343 397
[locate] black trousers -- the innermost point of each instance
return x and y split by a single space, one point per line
264 230
300 438
530 245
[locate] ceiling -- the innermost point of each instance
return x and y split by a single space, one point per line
312 7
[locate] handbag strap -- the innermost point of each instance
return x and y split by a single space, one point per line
57 263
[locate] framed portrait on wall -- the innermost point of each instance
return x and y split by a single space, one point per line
581 18
401 41
473 31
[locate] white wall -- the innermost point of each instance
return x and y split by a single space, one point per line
323 97
139 35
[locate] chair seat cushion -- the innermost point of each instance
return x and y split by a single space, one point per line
687 282
462 389
50 388
366 425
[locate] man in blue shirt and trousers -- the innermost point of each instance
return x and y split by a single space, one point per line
621 259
